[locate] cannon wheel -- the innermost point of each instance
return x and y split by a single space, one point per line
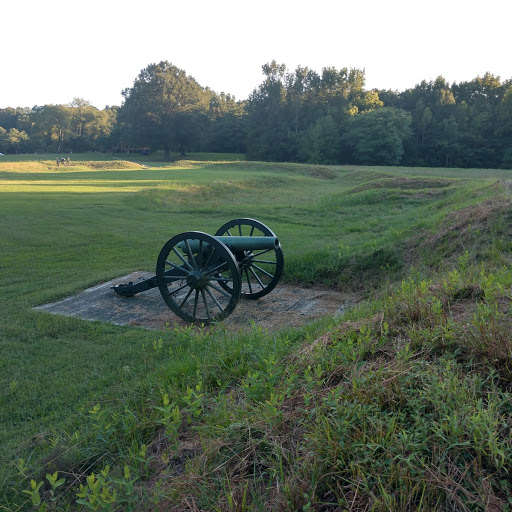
198 277
262 269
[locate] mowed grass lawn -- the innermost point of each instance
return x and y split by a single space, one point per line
65 229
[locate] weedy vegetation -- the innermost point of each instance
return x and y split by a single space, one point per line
404 403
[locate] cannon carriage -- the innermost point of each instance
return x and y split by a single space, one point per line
202 277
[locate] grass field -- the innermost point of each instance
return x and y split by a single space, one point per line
403 408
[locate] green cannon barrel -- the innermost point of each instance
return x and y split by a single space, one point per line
238 243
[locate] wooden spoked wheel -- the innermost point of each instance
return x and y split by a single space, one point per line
198 277
260 269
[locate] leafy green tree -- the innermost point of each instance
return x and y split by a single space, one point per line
16 139
341 92
390 98
478 105
3 140
377 137
481 92
18 118
479 138
52 126
321 143
24 121
504 126
89 126
369 101
448 141
8 118
420 146
290 109
267 124
162 108
228 128
301 87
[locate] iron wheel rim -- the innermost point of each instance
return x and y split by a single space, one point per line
198 277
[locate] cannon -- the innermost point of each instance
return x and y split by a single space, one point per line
202 277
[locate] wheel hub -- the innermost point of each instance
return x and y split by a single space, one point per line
196 280
247 259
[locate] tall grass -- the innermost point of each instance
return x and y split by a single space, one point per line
402 405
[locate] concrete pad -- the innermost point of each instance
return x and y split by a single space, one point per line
285 306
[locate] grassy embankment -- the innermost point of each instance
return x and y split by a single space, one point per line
402 405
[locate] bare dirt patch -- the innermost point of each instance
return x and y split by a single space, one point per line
285 306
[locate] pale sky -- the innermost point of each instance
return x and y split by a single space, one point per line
53 51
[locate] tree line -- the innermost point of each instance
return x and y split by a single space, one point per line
294 116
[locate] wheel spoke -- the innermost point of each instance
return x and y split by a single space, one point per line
195 303
264 271
190 255
185 262
186 297
257 278
205 266
205 304
179 267
248 280
171 279
200 254
217 269
262 252
217 303
220 290
174 292
264 261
